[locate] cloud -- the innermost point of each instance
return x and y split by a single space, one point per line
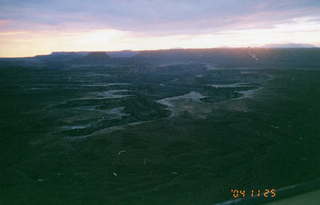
41 26
156 17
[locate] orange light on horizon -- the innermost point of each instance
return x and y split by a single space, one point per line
27 43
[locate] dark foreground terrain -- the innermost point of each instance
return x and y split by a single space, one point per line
155 134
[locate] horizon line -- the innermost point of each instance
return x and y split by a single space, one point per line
167 49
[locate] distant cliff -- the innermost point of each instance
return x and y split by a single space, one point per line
93 58
238 57
276 58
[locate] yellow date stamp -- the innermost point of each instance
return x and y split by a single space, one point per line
253 193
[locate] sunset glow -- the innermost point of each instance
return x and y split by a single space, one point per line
38 35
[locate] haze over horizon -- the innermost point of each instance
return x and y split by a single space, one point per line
34 27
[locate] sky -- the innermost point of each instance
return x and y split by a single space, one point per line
34 27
